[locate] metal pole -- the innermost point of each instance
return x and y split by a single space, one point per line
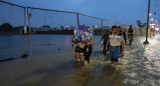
25 54
101 23
29 21
25 16
29 31
77 18
146 41
11 4
24 33
155 20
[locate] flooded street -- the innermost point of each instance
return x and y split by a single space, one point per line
36 47
143 65
49 66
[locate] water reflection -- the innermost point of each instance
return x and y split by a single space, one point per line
140 65
6 41
82 77
12 46
112 75
67 42
99 75
31 44
25 44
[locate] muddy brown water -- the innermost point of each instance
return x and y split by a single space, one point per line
53 65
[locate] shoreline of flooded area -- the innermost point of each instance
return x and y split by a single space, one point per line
52 67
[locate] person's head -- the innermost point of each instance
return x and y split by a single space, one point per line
130 26
107 32
119 28
114 29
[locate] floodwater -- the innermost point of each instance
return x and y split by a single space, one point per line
52 63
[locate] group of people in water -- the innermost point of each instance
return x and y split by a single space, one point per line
113 42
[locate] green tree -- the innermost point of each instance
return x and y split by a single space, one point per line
6 27
140 24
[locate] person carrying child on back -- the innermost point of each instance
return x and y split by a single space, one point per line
115 41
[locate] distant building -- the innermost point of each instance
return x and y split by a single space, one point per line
105 27
95 27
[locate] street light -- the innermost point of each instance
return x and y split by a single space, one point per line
150 14
151 20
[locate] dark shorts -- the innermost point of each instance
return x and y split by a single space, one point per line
88 51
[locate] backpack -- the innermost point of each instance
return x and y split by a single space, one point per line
130 30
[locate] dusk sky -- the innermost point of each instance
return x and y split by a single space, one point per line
125 11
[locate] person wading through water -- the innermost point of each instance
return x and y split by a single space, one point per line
115 41
78 49
122 33
130 33
105 38
87 50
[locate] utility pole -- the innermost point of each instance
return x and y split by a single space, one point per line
146 41
155 20
159 24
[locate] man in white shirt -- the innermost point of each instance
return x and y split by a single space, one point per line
115 40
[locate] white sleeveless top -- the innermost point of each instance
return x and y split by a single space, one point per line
115 39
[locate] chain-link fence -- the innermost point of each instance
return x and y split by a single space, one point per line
45 21
12 22
18 23
11 19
